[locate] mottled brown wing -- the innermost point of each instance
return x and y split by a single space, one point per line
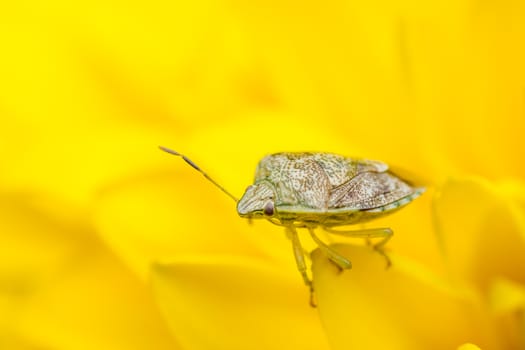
302 181
341 169
368 190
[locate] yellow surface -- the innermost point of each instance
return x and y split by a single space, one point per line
108 243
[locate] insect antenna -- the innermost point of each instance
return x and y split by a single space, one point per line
196 167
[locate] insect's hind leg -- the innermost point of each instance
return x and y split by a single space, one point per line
385 233
342 262
300 261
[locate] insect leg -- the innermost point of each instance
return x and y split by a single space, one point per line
334 256
384 233
300 261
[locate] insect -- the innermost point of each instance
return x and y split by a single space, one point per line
321 190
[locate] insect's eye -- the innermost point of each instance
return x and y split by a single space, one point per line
268 208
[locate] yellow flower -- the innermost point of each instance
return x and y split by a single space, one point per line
108 243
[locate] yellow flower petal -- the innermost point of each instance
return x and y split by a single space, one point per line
514 192
507 296
507 299
481 233
468 346
39 237
156 217
61 288
236 303
100 305
370 307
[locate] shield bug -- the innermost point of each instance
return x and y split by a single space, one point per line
321 190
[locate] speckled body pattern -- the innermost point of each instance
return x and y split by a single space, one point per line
324 189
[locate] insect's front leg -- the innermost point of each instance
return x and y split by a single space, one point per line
300 261
385 233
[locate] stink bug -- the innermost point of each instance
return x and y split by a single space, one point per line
321 190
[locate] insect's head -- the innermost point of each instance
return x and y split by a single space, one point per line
257 201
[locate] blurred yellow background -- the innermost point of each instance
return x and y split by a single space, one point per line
105 241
